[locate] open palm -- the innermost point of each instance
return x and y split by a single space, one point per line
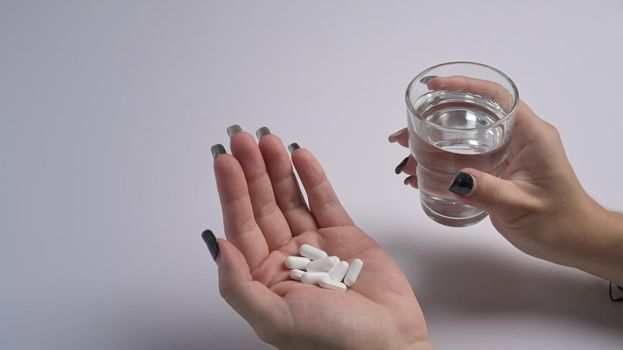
266 218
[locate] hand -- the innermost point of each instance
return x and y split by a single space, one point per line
537 203
266 219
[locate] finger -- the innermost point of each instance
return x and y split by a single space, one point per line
323 202
528 126
407 166
486 88
240 226
411 180
285 186
499 197
267 214
265 311
401 136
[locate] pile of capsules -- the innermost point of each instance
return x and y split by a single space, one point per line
316 267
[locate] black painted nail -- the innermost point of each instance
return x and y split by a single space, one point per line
401 165
217 150
234 129
462 184
428 78
408 180
293 147
262 132
211 242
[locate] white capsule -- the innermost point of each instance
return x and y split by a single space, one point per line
335 259
338 271
311 252
353 272
297 262
296 274
321 265
328 283
313 277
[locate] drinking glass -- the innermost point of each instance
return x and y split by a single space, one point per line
460 115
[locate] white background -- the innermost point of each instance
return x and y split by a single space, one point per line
108 111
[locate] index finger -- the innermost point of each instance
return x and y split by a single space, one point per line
485 88
527 123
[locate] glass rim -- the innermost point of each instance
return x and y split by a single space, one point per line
422 74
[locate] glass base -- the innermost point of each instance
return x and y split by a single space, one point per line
450 212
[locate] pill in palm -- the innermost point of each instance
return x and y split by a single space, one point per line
296 274
312 253
329 283
297 262
313 277
353 272
316 267
321 265
338 271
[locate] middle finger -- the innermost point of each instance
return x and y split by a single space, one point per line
267 214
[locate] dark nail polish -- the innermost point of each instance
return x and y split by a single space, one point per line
234 129
211 242
428 78
262 132
408 179
217 150
402 164
462 184
293 147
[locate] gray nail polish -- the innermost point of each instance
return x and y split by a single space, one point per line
401 165
463 184
234 129
217 150
428 78
408 179
293 147
262 132
211 242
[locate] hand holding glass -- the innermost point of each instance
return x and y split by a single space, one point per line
460 115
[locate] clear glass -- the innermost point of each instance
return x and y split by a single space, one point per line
460 115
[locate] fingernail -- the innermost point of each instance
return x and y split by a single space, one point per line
293 147
408 180
428 78
402 164
211 242
394 136
261 132
462 184
217 150
234 129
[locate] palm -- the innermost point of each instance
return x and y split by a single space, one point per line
538 167
381 291
293 314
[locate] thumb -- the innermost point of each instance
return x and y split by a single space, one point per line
264 310
500 198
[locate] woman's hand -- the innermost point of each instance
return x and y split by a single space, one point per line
266 219
537 204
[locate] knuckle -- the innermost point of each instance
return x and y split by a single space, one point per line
552 131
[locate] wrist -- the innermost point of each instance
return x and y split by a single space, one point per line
604 245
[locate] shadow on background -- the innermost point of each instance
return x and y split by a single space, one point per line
471 281
452 278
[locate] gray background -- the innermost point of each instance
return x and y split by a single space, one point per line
108 111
